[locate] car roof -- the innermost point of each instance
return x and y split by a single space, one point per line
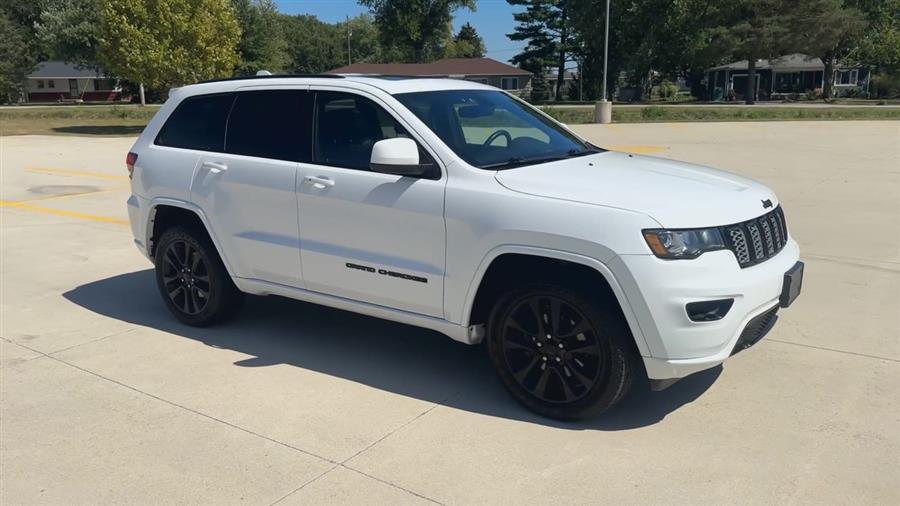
389 84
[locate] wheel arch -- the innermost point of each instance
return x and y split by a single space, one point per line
165 212
491 279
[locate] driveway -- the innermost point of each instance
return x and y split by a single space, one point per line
105 398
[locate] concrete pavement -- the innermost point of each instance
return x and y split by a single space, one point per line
105 398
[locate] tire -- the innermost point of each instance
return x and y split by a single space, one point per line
576 363
192 279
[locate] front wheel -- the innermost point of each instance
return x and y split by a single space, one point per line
559 353
192 280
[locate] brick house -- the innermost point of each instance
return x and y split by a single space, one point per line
56 81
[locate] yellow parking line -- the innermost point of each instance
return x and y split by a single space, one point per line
636 149
77 173
73 195
23 206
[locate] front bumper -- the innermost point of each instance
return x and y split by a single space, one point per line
659 290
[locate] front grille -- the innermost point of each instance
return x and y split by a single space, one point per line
757 240
756 329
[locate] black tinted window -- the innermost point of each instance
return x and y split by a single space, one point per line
198 123
271 124
347 126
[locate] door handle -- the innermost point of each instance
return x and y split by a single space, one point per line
215 167
319 182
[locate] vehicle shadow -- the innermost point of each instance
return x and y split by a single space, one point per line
393 357
100 129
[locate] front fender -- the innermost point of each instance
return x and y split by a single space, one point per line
601 267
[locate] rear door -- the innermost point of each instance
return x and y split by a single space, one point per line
372 237
246 188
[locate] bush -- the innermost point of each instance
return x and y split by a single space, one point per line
815 94
885 85
653 113
667 90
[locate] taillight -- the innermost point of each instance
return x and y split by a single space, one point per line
130 160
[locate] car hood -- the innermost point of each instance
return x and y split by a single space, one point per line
675 194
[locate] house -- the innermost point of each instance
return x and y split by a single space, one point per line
57 81
481 70
568 79
790 76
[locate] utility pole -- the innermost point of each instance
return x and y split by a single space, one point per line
603 109
349 33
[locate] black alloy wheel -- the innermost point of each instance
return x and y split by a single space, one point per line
192 279
186 277
561 354
552 349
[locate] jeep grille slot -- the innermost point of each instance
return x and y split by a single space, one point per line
757 240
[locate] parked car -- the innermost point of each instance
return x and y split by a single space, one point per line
454 206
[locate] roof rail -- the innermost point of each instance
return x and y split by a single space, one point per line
273 76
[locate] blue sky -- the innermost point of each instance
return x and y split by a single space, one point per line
493 20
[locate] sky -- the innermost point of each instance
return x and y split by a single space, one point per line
493 20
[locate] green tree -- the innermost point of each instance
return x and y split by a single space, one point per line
417 28
829 30
879 46
16 59
19 48
466 44
262 45
546 26
164 43
757 29
69 30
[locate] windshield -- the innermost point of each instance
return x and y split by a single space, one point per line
491 130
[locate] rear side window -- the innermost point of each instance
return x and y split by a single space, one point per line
271 124
198 123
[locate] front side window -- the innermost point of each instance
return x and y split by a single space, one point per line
40 84
491 130
51 84
271 124
347 127
198 123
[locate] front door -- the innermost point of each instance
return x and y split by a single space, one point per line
366 236
248 189
73 88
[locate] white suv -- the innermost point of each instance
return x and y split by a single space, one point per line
457 207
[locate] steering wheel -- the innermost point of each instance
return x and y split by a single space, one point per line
494 136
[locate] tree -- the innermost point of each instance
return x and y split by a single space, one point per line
879 46
16 59
262 45
314 46
164 43
546 25
830 31
466 44
418 28
69 30
756 29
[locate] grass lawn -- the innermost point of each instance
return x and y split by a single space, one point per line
130 120
751 113
76 120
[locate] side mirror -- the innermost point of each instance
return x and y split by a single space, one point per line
399 156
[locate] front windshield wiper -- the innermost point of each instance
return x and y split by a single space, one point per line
518 161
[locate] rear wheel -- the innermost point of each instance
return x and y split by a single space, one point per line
192 280
559 353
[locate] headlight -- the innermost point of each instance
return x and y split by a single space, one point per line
683 244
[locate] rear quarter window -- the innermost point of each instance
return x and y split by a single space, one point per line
197 123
